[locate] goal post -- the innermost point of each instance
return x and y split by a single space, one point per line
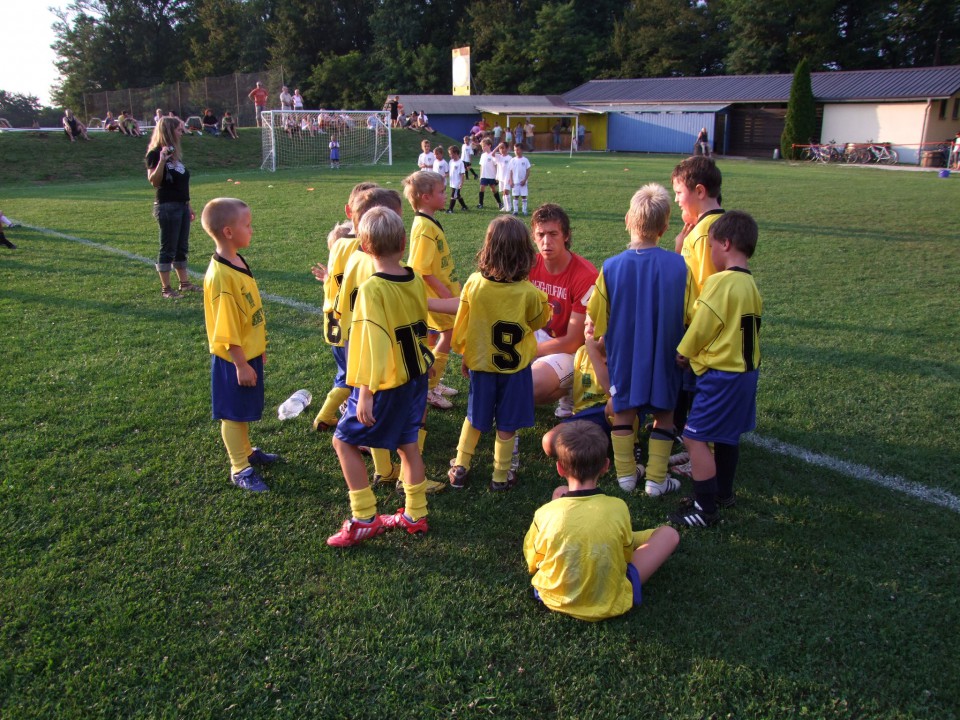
302 138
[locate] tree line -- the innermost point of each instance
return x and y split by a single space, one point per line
352 53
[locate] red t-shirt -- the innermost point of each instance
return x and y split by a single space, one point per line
259 96
566 290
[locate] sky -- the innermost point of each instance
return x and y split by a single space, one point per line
26 60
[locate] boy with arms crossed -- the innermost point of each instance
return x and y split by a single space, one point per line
387 366
641 296
519 175
584 556
723 348
237 336
488 173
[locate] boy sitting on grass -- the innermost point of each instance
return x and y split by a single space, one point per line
387 366
585 559
237 335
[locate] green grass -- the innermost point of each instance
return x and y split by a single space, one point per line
137 583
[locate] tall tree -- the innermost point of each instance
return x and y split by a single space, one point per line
801 121
554 55
229 36
664 38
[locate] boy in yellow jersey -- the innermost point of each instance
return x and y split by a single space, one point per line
696 187
237 336
591 386
358 268
430 257
331 276
643 296
387 366
723 348
584 556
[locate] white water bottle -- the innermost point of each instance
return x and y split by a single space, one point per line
294 404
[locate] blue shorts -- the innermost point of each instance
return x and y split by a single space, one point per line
488 182
724 407
596 414
340 358
230 400
632 575
504 399
399 413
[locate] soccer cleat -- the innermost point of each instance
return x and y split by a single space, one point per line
400 521
679 458
321 426
654 489
722 503
686 469
457 475
356 531
249 479
693 516
435 398
6 243
389 478
479 207
260 458
432 487
628 483
564 407
506 485
446 391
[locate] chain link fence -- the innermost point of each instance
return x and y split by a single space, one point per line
220 94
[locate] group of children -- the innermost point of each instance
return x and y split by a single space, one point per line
657 320
502 174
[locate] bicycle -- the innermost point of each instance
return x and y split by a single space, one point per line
883 153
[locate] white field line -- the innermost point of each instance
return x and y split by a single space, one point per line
934 496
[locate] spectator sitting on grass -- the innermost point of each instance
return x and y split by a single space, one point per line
209 122
110 123
73 127
228 126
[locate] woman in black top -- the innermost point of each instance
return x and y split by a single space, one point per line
166 172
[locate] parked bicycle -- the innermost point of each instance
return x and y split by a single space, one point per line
883 153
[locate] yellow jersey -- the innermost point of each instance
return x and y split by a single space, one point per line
430 255
233 310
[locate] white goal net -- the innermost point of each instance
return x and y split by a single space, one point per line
325 138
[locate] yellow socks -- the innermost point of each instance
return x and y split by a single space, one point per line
329 410
416 502
502 454
236 438
382 464
363 503
659 447
623 459
439 368
469 437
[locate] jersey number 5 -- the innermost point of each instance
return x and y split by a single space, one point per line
506 337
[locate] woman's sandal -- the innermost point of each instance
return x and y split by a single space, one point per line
190 287
170 293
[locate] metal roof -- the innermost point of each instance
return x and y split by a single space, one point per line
661 108
499 104
834 86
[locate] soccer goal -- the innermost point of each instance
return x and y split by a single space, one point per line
325 138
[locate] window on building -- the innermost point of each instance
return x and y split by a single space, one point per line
955 115
943 110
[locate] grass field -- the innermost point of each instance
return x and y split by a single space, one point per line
137 583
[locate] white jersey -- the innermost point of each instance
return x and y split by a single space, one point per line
425 161
441 166
466 152
519 169
457 171
503 168
488 166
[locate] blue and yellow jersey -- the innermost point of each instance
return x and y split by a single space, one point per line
233 310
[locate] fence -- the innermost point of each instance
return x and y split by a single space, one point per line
228 92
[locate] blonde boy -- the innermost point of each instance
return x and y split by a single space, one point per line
430 257
237 337
640 304
387 366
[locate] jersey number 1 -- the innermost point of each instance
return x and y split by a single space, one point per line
749 332
415 356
